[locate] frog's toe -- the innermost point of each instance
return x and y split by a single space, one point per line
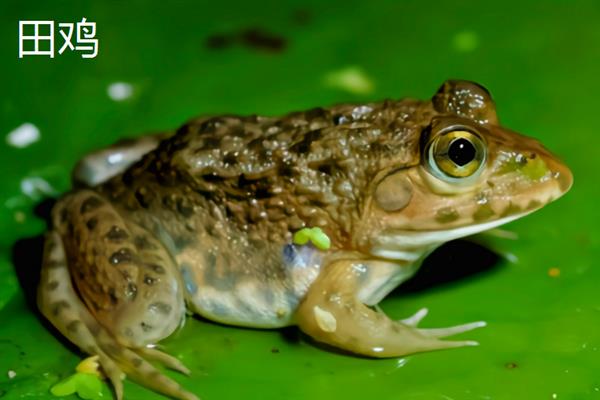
451 330
167 360
416 318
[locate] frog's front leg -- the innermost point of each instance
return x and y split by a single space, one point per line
334 312
111 288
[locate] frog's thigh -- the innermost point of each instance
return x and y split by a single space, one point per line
127 290
103 164
332 312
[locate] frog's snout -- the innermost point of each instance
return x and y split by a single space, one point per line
561 174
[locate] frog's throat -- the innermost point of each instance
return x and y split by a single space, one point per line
412 245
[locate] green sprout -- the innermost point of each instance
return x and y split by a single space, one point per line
315 235
86 382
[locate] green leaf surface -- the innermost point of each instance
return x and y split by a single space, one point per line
540 60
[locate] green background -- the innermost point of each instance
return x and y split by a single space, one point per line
541 61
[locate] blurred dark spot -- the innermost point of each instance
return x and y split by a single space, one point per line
510 365
302 17
274 350
262 40
453 261
253 38
219 41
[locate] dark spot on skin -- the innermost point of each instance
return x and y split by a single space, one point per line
148 280
89 204
131 291
142 243
511 209
143 197
116 234
128 332
184 209
59 306
136 362
113 296
73 326
121 256
446 215
156 268
52 285
483 213
510 365
91 223
160 307
146 327
339 119
533 204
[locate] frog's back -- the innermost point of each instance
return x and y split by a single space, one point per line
226 193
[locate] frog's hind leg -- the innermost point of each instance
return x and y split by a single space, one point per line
111 289
59 303
332 313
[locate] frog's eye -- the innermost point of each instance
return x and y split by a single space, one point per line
456 154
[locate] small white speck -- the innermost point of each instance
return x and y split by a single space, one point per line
119 91
360 111
401 362
554 396
23 135
36 188
115 158
377 349
11 374
511 257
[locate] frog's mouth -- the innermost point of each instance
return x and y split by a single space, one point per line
412 245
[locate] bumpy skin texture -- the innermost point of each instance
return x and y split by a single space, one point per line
205 220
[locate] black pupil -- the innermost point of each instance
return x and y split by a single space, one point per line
461 152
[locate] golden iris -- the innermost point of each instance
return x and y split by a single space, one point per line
456 154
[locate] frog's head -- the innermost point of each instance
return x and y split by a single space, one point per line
469 175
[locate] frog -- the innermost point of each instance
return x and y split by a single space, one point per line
201 221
